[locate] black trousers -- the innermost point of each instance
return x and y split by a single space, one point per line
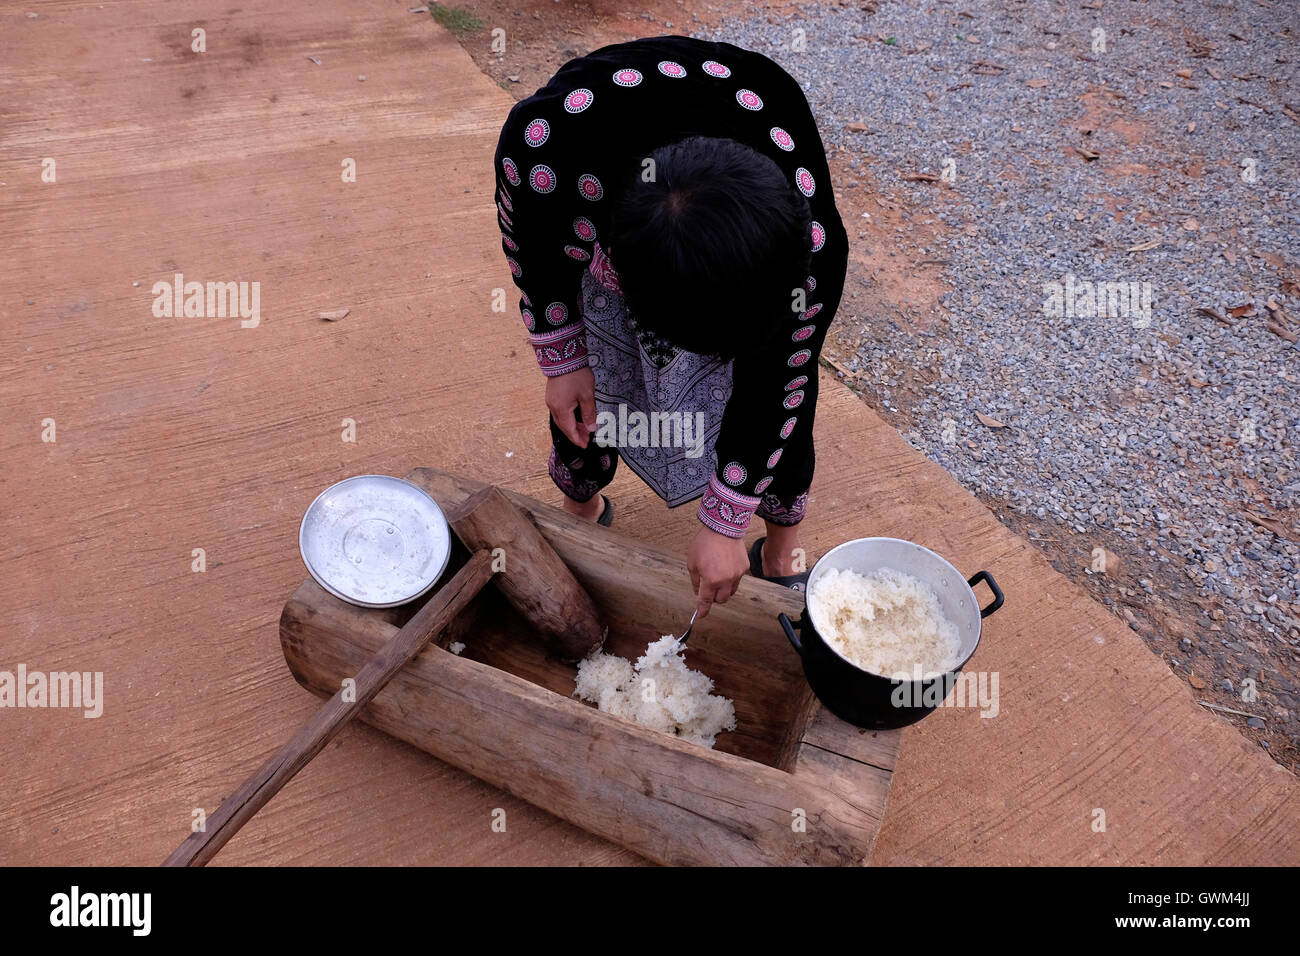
580 473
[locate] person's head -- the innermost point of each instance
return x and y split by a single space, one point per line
710 250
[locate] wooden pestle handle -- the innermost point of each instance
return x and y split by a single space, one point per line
405 645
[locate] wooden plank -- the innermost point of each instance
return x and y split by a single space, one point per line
345 703
672 801
877 748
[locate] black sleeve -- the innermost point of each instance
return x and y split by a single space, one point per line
774 391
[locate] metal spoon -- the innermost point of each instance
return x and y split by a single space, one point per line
687 633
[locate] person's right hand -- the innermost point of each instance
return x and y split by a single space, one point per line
564 393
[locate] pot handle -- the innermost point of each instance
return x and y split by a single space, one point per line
789 632
987 578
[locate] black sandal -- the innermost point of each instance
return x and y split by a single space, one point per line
795 582
607 515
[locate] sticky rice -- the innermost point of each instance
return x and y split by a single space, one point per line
659 691
885 622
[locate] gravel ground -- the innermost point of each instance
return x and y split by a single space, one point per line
1162 430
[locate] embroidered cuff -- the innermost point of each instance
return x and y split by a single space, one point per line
782 512
560 351
725 510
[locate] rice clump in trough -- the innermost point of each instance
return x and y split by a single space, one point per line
659 691
886 622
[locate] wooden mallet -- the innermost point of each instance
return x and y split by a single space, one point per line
535 580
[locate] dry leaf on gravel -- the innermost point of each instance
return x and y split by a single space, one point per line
1087 154
1270 524
1243 311
1144 246
1214 315
921 177
989 422
1036 84
1196 682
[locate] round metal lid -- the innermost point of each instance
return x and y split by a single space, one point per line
375 540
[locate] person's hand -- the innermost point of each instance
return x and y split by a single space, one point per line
564 393
717 563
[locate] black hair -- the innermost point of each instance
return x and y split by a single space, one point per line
710 243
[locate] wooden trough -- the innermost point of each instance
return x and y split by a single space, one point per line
792 784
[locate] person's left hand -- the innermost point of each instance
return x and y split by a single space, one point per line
716 563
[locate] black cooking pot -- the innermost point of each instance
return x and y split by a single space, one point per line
878 701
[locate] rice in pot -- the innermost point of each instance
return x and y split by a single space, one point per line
885 622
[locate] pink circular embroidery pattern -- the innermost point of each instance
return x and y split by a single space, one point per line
578 100
523 297
734 473
510 243
573 252
799 381
511 170
812 310
627 77
781 138
537 132
792 401
505 200
788 427
542 178
584 229
776 456
799 358
590 187
804 180
504 218
749 99
514 267
810 284
557 313
529 320
802 333
714 68
669 68
818 236
763 485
